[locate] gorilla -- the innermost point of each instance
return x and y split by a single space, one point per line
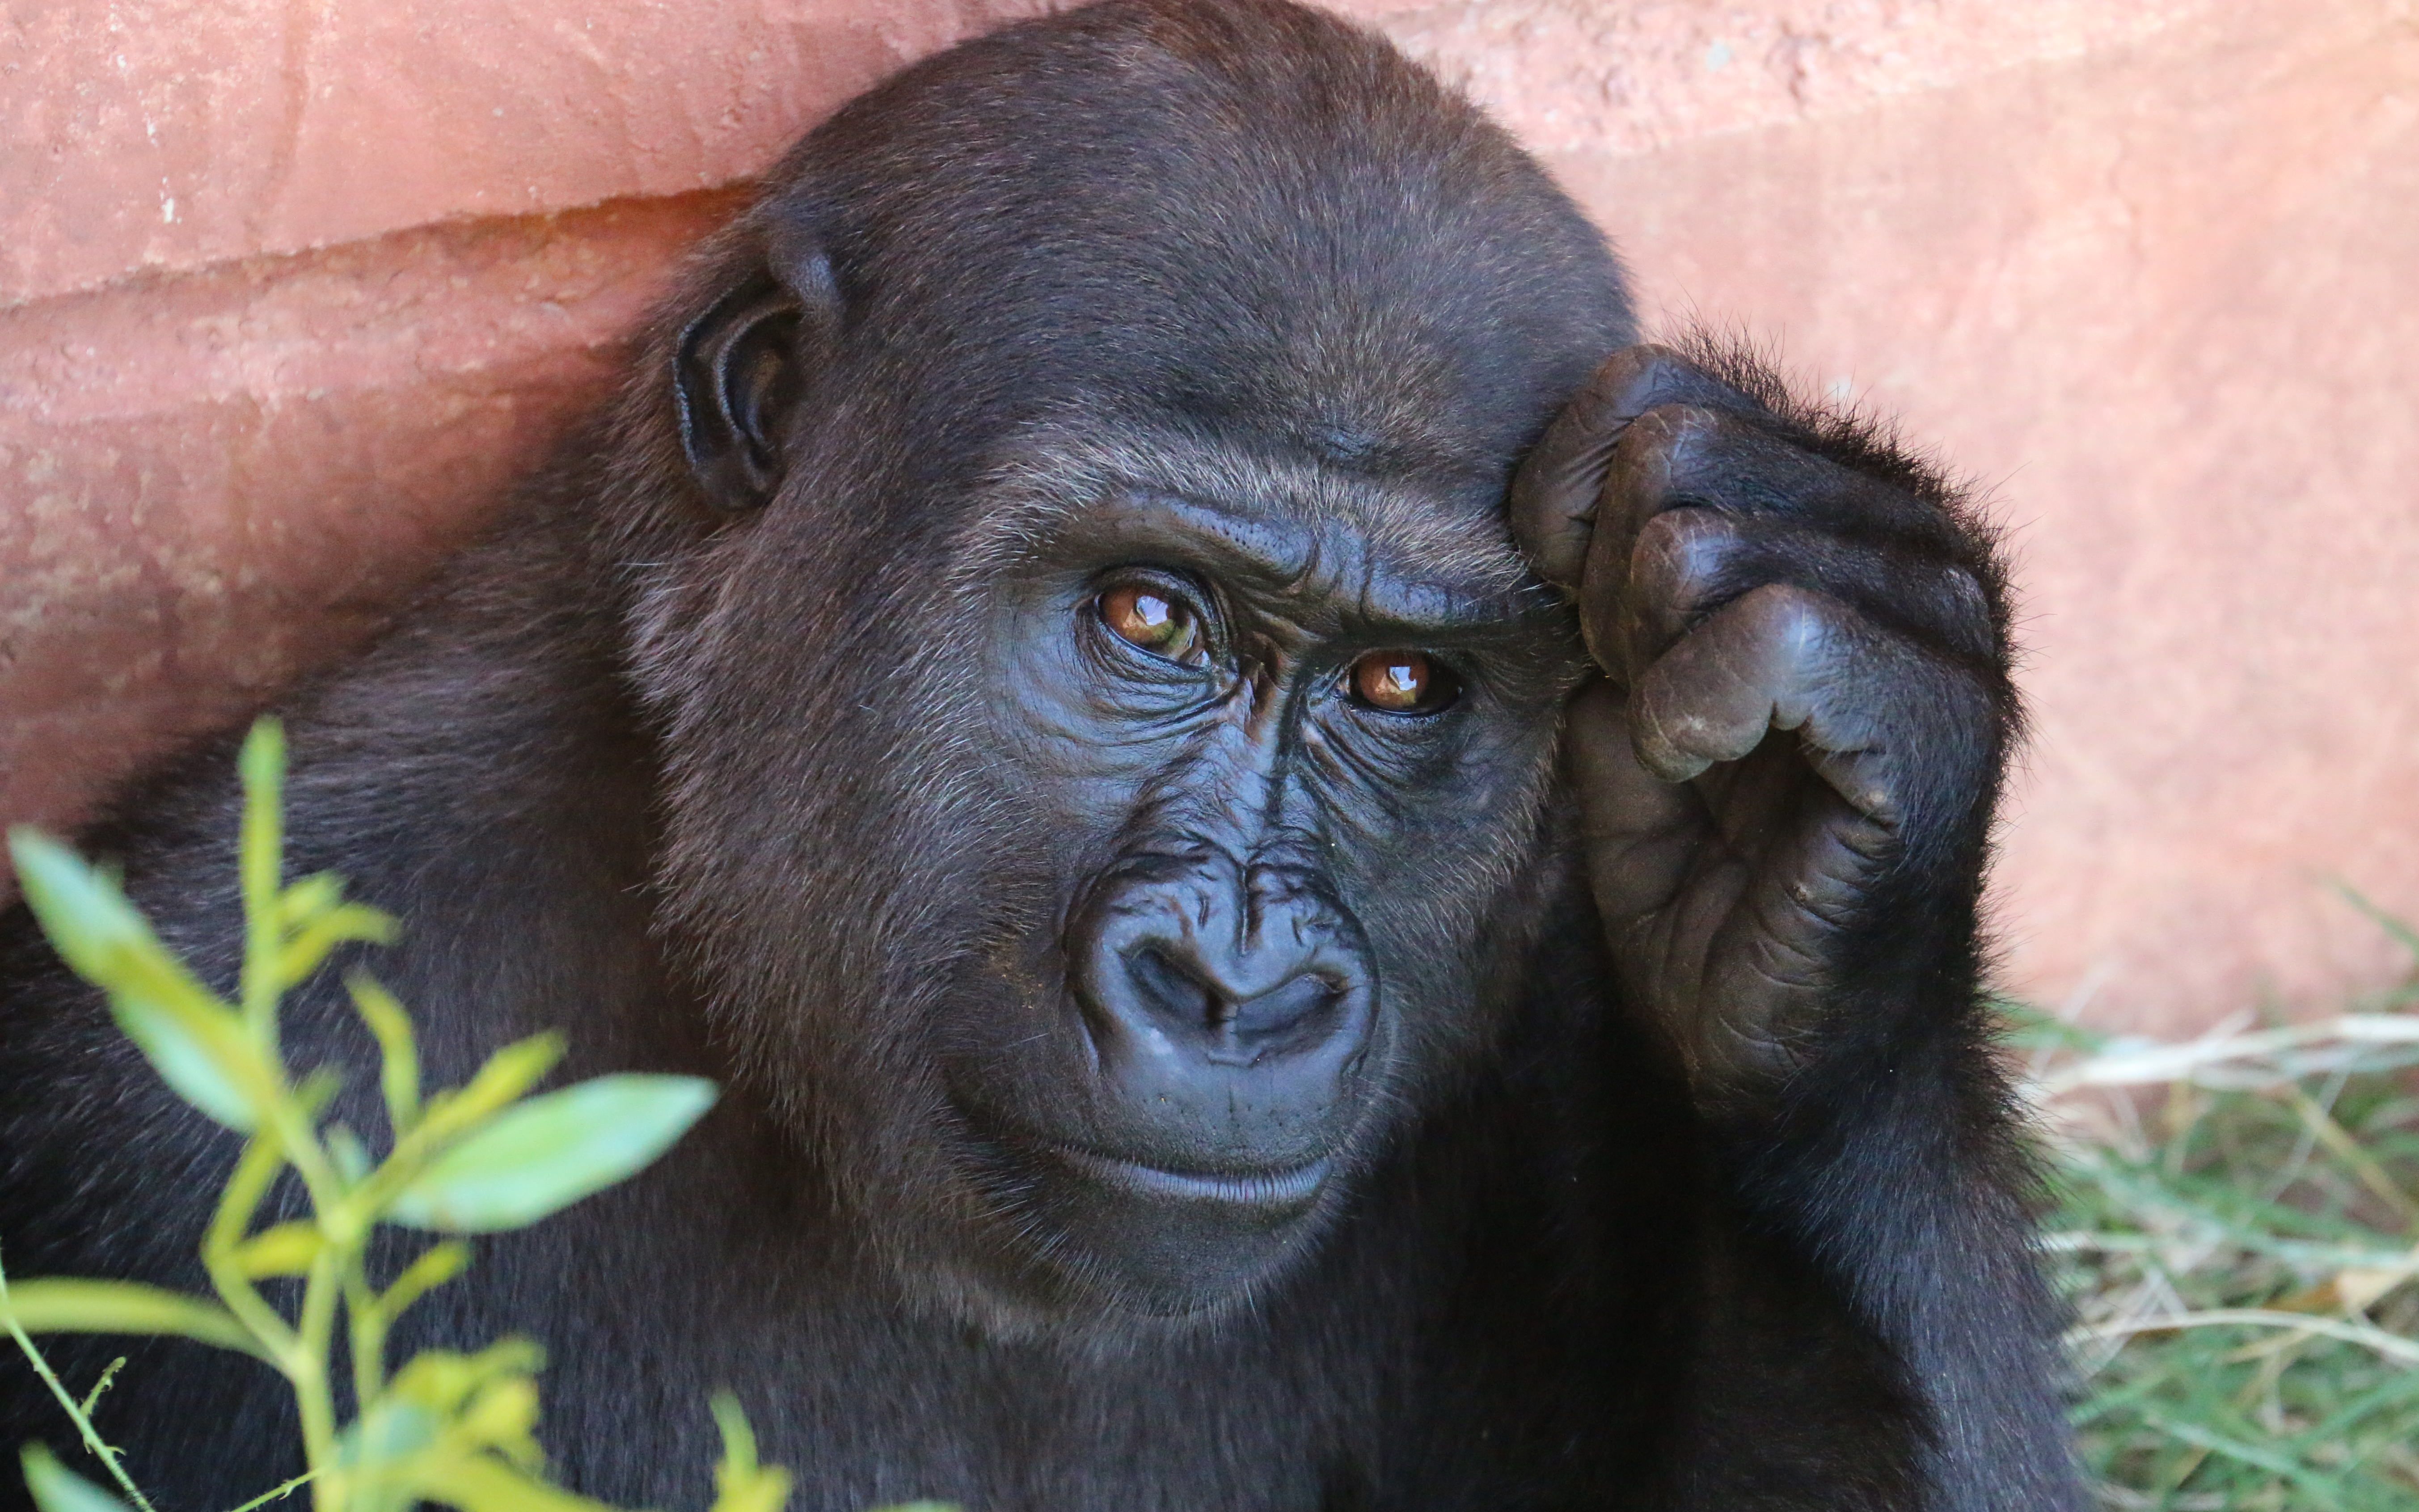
1317 881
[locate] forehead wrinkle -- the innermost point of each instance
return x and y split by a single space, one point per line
1422 547
1285 548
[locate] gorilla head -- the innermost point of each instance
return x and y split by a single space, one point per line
1109 723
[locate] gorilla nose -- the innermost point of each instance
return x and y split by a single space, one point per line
1237 1009
1230 1020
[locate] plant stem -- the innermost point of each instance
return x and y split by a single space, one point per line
307 1369
275 1491
367 1323
261 1161
260 863
92 1439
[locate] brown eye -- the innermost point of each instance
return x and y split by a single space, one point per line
1402 682
1150 619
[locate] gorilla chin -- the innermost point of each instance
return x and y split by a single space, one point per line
1103 1234
1176 1245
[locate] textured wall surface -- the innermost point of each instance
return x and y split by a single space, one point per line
287 293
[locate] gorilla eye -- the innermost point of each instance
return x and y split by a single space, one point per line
1401 682
1156 621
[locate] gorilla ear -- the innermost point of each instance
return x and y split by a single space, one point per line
738 373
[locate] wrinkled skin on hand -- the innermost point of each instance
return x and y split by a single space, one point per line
1803 704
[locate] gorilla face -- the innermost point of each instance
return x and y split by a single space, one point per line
1108 722
1280 736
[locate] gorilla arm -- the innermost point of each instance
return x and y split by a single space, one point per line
1785 778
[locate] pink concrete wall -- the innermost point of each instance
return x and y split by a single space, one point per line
287 292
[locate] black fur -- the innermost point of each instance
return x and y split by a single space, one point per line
699 759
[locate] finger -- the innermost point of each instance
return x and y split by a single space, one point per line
1555 494
1689 562
1640 831
1677 570
1674 455
1898 732
1637 483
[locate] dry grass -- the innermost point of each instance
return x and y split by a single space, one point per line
2238 1229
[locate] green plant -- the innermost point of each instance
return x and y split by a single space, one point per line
2238 1228
445 1428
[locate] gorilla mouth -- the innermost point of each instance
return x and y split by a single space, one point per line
1272 1192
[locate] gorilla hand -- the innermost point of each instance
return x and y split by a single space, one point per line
1792 756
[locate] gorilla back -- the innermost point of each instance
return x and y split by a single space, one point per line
1035 688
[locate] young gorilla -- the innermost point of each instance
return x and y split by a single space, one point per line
1038 691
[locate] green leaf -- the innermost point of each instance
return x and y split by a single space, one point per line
59 1305
738 1437
192 1039
740 1484
441 1379
239 1200
260 853
306 899
435 1266
502 1418
484 1484
344 1148
393 1432
301 956
57 1488
508 1074
551 1151
262 767
314 1093
287 1249
398 1049
758 1490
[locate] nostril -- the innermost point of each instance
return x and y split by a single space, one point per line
1304 1007
1303 1010
1170 993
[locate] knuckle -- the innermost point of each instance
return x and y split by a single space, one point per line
1681 553
1676 422
1619 373
1634 373
1649 433
1613 394
1697 535
1641 464
1791 611
1797 629
1699 447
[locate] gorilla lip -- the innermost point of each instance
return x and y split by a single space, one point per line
1285 1189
